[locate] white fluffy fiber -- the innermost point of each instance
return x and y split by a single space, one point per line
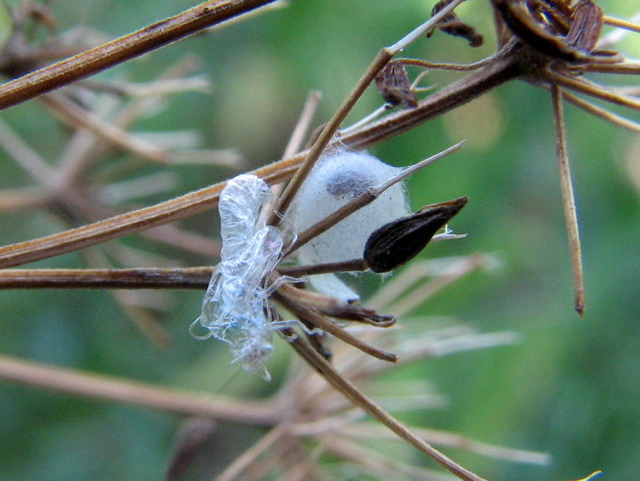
337 178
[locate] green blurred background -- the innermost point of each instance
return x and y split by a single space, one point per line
570 388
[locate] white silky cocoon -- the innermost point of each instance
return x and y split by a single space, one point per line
337 178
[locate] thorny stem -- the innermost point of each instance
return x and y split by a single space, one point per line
357 397
568 200
122 49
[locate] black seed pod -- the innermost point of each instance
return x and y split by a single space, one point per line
397 242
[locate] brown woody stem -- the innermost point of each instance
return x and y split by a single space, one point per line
142 278
568 200
122 49
505 68
343 385
133 393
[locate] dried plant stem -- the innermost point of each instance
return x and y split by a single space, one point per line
594 90
124 48
568 200
133 221
454 95
132 393
294 145
287 299
501 70
24 156
328 133
383 466
602 113
76 117
22 198
357 397
628 68
381 59
454 67
451 440
249 456
426 290
354 265
139 278
621 23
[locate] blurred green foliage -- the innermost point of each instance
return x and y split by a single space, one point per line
570 388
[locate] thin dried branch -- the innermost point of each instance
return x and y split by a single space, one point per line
133 393
592 89
242 462
450 440
76 117
294 145
25 198
568 200
380 465
357 397
381 59
355 265
289 302
621 23
602 113
24 156
124 48
454 272
623 68
138 278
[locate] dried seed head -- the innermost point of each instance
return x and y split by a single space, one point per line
558 29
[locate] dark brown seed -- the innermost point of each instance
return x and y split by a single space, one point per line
393 84
397 242
452 25
586 26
